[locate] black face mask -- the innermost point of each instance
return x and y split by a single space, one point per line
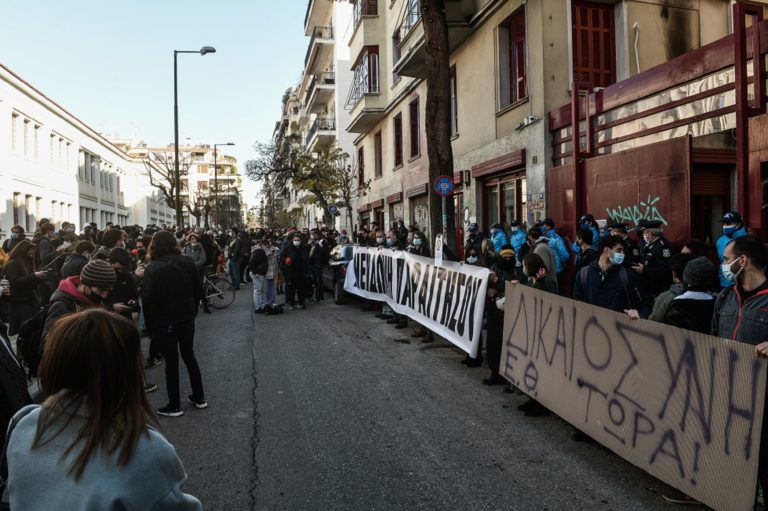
506 264
93 297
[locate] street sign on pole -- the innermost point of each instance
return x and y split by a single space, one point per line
332 209
444 188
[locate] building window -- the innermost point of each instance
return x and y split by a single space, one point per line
14 132
26 137
377 154
364 8
366 76
360 166
202 169
36 141
396 53
16 208
454 104
398 138
513 83
594 51
413 118
52 151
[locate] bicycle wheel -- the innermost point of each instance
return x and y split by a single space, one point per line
221 293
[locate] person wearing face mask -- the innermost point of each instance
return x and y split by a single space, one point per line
402 232
124 297
505 270
17 234
518 239
419 245
631 252
89 289
472 258
605 282
498 236
474 239
539 244
733 229
319 256
588 222
653 271
740 313
294 262
557 245
195 251
582 247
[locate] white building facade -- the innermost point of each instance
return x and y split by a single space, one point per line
53 165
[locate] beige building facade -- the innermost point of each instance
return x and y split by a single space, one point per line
513 62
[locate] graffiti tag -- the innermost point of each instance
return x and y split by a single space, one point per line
645 210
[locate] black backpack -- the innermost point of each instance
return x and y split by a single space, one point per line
30 341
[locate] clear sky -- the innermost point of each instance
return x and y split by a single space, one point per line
110 63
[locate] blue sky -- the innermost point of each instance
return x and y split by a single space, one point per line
111 64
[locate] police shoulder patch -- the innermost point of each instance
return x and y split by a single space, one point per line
666 253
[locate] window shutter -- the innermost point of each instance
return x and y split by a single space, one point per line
519 48
593 35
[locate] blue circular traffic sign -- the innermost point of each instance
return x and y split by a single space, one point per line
444 186
332 209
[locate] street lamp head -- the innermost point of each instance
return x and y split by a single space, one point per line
207 49
230 143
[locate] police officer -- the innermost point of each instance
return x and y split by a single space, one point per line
653 269
632 253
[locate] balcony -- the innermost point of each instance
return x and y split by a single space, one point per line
368 112
317 12
412 46
320 91
322 133
320 46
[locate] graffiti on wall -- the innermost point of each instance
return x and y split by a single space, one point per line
644 210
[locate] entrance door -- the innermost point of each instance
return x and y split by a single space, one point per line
503 200
711 191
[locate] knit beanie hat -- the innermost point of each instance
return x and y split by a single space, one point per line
699 272
98 273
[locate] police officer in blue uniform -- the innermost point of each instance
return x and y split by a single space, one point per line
653 269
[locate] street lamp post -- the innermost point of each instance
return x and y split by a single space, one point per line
216 181
176 175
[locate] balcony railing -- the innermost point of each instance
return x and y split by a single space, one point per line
318 33
327 78
321 124
364 8
366 78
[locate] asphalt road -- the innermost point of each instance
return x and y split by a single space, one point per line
325 409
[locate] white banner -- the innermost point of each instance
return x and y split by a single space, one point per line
448 300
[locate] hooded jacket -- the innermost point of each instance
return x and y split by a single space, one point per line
65 300
739 319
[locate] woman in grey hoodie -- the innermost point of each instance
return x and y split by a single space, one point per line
93 444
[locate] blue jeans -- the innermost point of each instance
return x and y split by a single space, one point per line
258 291
234 272
269 292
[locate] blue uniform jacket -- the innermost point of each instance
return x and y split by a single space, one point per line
558 248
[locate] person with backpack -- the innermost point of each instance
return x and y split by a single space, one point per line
21 274
606 282
693 310
170 294
94 442
74 294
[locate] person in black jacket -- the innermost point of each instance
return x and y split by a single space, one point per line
124 297
505 270
77 259
319 255
13 384
170 294
258 265
17 235
20 272
585 254
294 262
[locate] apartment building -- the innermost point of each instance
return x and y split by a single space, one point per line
313 109
211 178
53 165
512 62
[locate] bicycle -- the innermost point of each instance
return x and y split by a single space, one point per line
218 291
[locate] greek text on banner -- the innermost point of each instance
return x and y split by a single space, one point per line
448 300
683 406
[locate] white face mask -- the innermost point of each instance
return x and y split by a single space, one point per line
728 273
296 243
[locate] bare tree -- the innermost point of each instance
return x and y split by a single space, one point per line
347 183
159 168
